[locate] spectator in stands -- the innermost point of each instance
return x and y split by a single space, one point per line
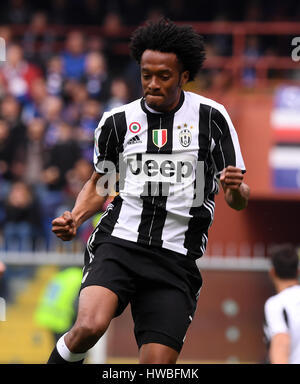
132 11
54 76
52 109
112 24
61 157
253 11
93 12
119 94
34 106
96 43
22 218
154 13
96 76
74 56
17 74
251 54
131 73
88 122
222 42
34 152
59 12
10 110
78 176
6 151
38 40
16 12
76 94
177 10
112 30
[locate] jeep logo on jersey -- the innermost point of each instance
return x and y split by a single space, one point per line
179 174
185 138
159 137
135 127
159 168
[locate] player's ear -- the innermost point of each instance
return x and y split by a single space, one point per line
184 78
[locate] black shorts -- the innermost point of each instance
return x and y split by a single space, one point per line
162 287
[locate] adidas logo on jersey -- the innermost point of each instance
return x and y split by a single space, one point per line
135 140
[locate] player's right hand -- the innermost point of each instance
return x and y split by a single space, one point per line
64 226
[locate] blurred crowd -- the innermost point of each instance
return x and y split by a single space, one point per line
131 12
48 114
54 90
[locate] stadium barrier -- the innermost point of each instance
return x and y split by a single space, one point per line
237 31
76 259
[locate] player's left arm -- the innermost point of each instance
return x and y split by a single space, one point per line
236 192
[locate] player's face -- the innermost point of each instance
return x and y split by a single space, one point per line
162 79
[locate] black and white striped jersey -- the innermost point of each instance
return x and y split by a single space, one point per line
168 165
282 315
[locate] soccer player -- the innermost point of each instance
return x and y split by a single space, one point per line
282 311
174 146
2 269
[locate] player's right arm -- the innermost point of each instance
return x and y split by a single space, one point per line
280 349
278 331
91 198
88 203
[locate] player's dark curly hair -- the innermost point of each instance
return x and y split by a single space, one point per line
165 36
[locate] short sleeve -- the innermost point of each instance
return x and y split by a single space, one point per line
274 317
106 145
225 144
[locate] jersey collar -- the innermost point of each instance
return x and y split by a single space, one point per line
179 105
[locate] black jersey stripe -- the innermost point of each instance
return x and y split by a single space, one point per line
111 140
154 213
160 122
110 219
202 215
120 126
286 318
205 140
224 152
197 227
204 136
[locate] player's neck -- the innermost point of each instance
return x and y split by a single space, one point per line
151 109
283 284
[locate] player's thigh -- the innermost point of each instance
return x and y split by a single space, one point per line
162 315
154 353
97 306
109 268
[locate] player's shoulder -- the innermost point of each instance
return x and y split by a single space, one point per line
197 99
125 108
273 302
133 105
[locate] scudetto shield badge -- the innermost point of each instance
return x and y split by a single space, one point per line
159 137
185 138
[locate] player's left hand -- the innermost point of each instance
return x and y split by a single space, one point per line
231 178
